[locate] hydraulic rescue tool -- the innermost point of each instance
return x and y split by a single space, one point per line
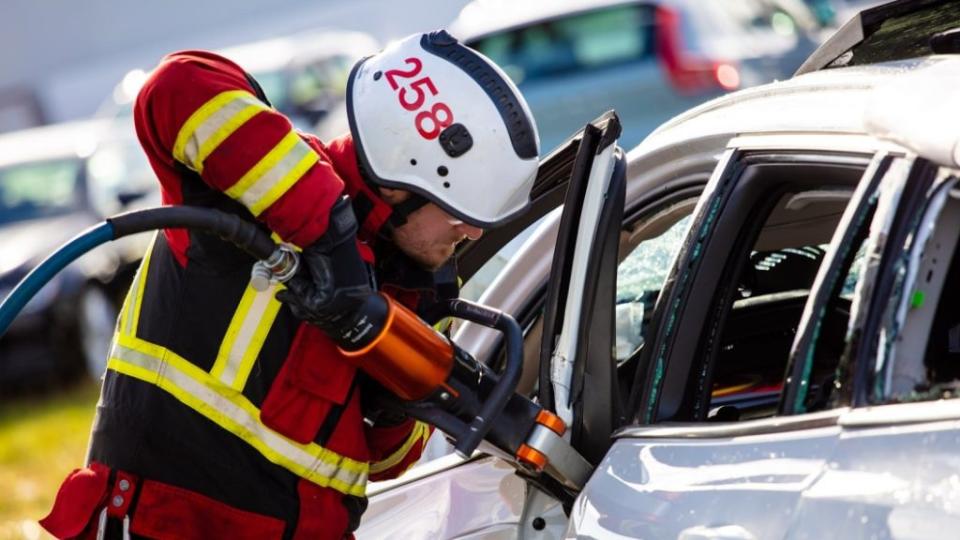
435 380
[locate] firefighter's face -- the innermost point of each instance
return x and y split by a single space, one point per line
430 234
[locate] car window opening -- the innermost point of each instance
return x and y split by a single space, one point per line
763 313
647 250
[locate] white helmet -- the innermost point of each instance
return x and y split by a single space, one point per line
431 116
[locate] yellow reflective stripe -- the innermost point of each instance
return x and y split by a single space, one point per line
245 336
211 124
443 324
420 432
274 174
130 312
276 238
227 128
233 412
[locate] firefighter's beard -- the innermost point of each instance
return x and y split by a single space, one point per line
428 243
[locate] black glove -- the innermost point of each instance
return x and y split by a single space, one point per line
334 288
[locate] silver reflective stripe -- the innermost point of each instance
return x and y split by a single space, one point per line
274 174
130 312
233 412
212 124
245 336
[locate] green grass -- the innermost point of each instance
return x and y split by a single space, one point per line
42 439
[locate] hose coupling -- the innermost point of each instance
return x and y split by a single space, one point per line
278 268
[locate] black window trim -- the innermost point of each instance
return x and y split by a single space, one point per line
828 282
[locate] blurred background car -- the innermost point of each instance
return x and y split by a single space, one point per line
304 75
648 60
834 13
56 181
575 59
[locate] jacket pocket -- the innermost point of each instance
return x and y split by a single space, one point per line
313 380
81 494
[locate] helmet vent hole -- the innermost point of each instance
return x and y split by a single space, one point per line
442 171
413 162
446 184
377 75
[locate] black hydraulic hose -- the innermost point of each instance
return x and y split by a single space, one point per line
244 234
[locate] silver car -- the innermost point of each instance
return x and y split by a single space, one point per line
756 340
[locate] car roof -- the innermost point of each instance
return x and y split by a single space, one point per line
483 17
73 139
824 102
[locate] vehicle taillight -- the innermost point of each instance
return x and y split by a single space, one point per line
689 73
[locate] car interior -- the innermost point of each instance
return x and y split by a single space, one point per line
773 233
763 314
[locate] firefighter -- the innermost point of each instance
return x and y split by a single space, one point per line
223 414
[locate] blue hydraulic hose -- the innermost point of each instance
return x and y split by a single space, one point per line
243 234
35 280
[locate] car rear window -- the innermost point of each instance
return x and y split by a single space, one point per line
902 37
33 190
584 41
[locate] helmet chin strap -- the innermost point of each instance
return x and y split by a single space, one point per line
403 209
398 212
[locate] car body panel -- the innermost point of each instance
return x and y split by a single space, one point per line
656 488
859 479
480 498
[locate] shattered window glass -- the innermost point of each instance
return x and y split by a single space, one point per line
639 279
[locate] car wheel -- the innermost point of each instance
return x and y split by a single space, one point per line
97 318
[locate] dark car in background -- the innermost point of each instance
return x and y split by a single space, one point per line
55 182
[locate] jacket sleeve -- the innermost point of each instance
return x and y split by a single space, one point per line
199 111
394 449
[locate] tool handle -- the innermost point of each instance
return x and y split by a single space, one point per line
505 388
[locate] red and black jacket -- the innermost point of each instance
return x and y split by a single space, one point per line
228 415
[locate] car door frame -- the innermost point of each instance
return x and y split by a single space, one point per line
676 305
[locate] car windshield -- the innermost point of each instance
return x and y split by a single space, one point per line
38 189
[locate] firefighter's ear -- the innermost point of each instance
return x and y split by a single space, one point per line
393 196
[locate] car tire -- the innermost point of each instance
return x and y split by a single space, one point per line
96 320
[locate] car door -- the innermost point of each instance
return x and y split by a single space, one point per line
710 454
481 497
894 467
490 498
